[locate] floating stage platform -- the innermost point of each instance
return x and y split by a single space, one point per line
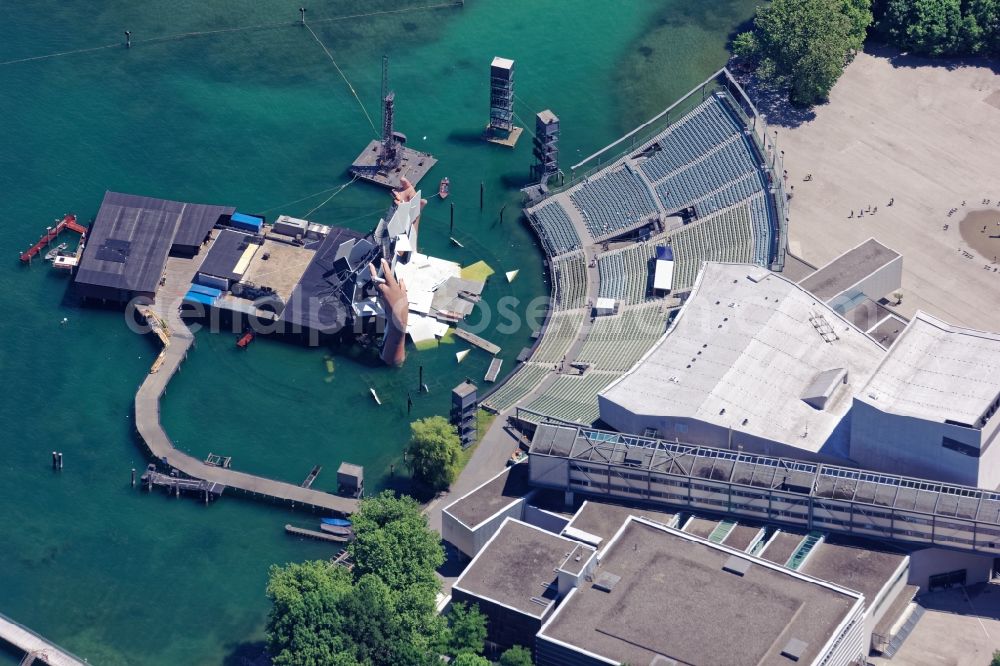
413 165
509 140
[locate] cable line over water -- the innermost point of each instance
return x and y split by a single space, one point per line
343 76
221 31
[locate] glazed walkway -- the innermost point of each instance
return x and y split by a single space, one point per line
37 648
179 273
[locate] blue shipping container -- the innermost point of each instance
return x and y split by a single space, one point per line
246 222
195 297
208 291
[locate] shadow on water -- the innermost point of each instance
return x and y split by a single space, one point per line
251 653
466 138
745 26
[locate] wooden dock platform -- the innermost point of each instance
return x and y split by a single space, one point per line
314 534
147 412
508 141
494 370
37 649
474 339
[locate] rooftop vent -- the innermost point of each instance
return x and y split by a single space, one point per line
606 582
823 386
794 648
736 565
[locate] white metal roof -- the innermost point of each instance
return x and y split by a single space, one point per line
663 278
740 354
938 372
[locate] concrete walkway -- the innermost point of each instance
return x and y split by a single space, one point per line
36 647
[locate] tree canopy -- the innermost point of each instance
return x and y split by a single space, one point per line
803 45
380 612
942 27
434 452
466 629
516 656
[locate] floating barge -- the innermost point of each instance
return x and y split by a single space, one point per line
413 165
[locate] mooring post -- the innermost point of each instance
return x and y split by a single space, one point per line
501 212
302 15
481 188
128 39
420 386
133 477
60 460
409 403
451 222
55 460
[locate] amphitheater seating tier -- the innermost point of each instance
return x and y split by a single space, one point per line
524 380
724 236
556 229
560 331
572 398
614 201
626 273
616 343
570 275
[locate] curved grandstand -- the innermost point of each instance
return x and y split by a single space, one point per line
704 183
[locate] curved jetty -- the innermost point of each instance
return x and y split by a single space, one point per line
178 339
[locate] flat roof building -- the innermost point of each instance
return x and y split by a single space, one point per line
752 361
229 256
929 408
851 271
661 594
131 238
471 520
516 578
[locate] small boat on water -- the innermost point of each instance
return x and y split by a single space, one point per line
245 340
54 252
337 530
338 522
443 188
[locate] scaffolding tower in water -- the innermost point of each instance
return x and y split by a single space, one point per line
387 160
389 157
501 129
546 144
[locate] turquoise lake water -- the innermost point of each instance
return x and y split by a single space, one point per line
258 119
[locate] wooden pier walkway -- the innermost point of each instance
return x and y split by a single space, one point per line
147 411
37 648
313 534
